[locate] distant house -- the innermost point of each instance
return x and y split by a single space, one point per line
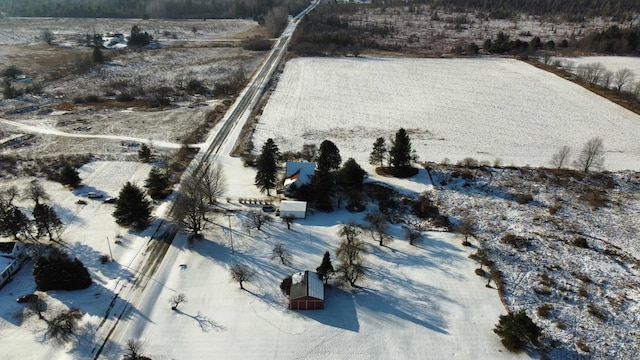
294 209
297 174
12 255
307 291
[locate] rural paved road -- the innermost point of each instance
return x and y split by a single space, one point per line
128 298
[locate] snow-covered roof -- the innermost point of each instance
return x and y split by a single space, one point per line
306 283
293 206
299 173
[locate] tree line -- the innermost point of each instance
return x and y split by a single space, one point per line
159 9
571 10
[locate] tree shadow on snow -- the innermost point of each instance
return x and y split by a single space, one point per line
204 322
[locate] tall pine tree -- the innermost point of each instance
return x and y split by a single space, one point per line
267 166
400 152
326 268
379 152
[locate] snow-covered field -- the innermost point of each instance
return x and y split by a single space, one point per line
485 108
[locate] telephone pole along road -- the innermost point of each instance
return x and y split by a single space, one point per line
131 297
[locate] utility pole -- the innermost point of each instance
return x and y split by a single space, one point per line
109 245
230 231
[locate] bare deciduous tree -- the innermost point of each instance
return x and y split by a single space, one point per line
190 208
466 227
560 158
176 300
622 77
63 325
211 179
607 77
378 227
288 219
133 350
412 235
255 220
36 193
279 251
350 268
591 156
241 273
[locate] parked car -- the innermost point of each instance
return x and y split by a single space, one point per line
268 208
28 298
93 195
81 202
110 200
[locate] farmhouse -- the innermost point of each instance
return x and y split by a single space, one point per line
294 209
307 291
297 174
12 256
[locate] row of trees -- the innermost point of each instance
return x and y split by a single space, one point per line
399 155
173 9
590 157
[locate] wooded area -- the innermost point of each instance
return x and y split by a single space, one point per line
157 9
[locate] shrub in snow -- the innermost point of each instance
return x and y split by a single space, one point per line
524 198
58 272
517 330
544 310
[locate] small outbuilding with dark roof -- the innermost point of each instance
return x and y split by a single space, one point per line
307 291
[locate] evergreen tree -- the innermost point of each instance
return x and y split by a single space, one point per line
138 38
326 268
144 154
266 165
379 152
59 272
329 156
516 330
132 208
157 182
47 221
13 221
97 56
69 176
400 152
351 175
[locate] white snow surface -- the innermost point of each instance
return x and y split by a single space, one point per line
484 108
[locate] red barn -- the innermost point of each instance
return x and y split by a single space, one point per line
307 291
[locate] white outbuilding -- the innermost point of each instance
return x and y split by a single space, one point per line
294 209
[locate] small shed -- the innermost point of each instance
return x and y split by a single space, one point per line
307 291
295 209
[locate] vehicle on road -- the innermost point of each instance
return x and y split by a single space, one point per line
269 208
94 195
27 298
110 200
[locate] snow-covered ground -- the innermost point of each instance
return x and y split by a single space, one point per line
484 108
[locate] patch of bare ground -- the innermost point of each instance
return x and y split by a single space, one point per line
174 94
572 244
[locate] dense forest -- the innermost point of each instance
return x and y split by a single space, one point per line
157 9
